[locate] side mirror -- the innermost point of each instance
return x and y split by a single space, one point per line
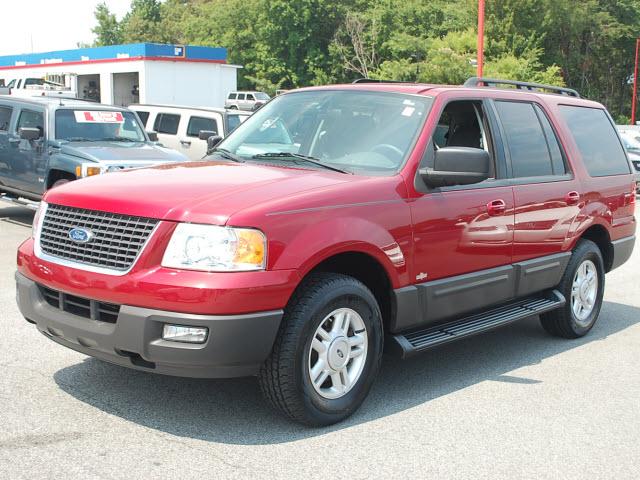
212 142
457 166
153 136
205 134
29 133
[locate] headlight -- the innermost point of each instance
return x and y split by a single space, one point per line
38 218
215 249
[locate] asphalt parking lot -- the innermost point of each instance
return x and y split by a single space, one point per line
514 403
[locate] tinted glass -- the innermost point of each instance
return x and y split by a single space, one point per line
241 96
359 131
31 119
144 116
199 123
232 96
250 97
597 141
557 159
526 140
232 122
167 123
71 126
5 118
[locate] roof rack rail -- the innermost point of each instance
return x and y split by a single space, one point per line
487 82
374 80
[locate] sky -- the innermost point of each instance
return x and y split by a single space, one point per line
46 25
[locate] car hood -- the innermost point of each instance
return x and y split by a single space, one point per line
198 192
129 151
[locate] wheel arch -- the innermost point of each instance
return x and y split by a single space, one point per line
599 235
366 268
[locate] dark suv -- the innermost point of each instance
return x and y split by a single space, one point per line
335 222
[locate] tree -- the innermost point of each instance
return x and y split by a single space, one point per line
107 30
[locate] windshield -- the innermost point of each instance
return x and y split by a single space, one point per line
361 132
97 125
631 140
262 96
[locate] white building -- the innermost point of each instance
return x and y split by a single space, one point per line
135 73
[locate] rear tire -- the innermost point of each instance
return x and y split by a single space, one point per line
318 389
583 287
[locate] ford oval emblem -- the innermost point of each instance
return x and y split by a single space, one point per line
80 235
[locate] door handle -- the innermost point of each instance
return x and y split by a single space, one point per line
572 198
185 142
496 207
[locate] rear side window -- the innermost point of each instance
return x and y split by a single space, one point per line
241 96
232 96
5 118
144 116
167 123
528 148
200 123
232 122
601 151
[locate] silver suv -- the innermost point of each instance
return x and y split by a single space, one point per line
246 100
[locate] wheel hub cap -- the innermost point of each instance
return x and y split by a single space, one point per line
584 292
338 353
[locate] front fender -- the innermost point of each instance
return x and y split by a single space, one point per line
64 163
318 241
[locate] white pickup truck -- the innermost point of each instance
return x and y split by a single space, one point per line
60 85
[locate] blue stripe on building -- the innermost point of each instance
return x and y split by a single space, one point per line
117 51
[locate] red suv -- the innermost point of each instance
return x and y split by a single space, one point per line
334 222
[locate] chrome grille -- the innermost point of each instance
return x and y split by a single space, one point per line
116 243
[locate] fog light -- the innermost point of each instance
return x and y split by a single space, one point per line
182 333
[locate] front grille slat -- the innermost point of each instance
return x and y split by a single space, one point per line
82 307
117 241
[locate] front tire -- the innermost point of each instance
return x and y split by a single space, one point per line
583 287
327 352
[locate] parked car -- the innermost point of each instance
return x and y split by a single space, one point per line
186 129
334 223
246 100
46 142
631 141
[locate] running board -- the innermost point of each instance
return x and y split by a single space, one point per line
21 201
408 344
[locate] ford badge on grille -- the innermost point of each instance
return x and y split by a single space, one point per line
80 235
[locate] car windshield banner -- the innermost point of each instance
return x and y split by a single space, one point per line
98 116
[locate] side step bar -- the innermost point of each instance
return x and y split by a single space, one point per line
21 201
408 344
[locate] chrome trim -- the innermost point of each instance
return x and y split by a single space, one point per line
83 266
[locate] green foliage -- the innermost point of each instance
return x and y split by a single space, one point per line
107 30
587 45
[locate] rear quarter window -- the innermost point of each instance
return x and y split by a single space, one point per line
167 123
144 116
597 140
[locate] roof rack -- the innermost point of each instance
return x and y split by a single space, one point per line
488 82
374 80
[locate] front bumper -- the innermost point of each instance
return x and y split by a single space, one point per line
236 346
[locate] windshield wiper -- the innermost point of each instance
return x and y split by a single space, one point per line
224 153
117 139
78 139
299 156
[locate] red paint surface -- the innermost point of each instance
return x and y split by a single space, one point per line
310 215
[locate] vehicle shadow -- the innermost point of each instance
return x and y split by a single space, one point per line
232 411
18 215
